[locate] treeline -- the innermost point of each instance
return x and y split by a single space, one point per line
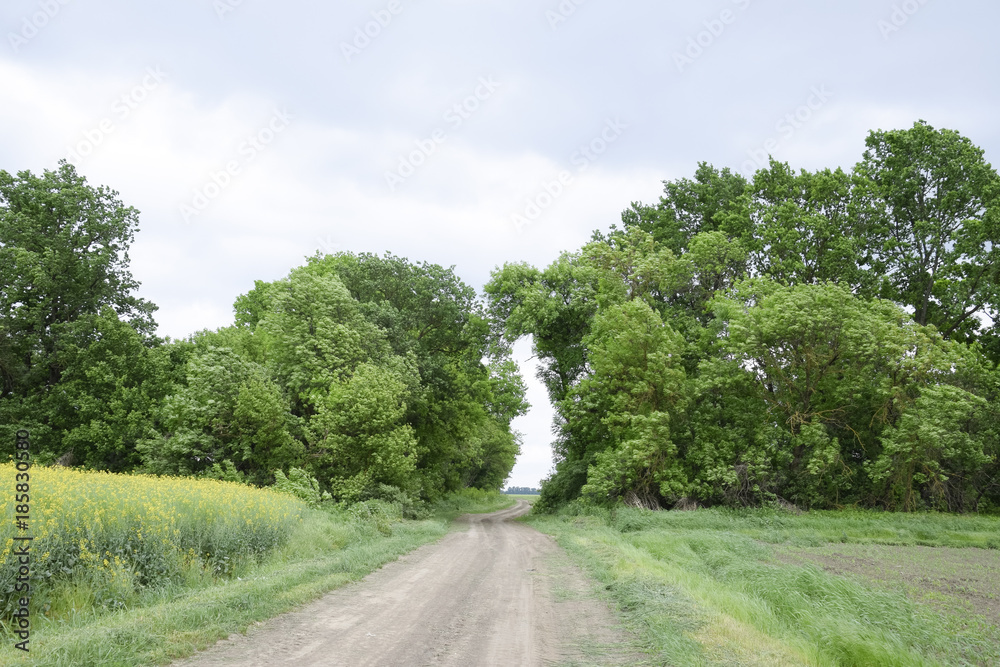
522 491
366 372
823 338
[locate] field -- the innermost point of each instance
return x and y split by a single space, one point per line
766 587
133 570
963 585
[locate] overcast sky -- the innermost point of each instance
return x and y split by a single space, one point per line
251 134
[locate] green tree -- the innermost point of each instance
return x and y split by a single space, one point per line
713 201
315 336
803 227
359 438
637 378
417 324
433 319
555 307
929 207
65 287
845 381
926 459
110 383
226 409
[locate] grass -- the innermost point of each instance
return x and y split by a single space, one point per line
326 549
707 587
962 585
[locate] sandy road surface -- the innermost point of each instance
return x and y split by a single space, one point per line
496 593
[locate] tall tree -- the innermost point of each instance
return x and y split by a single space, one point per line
929 205
803 230
65 285
712 201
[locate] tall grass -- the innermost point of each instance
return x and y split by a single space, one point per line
820 527
703 586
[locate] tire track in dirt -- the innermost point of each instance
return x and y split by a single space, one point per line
497 593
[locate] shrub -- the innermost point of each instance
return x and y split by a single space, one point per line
299 484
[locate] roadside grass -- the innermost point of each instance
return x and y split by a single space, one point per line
328 548
469 501
706 587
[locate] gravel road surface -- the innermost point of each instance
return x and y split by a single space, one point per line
496 592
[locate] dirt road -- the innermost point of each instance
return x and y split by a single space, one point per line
495 593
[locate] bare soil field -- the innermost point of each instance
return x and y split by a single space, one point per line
494 593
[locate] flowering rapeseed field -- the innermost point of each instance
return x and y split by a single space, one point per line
117 534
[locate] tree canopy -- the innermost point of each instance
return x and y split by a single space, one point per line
373 375
824 338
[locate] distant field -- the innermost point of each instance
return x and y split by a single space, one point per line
772 588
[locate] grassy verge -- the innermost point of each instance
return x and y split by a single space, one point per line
327 549
708 587
470 501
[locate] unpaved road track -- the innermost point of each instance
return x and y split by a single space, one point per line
496 593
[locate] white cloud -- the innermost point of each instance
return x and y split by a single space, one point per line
320 183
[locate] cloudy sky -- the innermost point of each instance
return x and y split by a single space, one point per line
251 134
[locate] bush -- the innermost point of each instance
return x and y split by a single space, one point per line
377 513
299 484
412 508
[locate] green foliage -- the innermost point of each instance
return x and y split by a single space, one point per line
824 338
634 358
687 208
929 207
227 409
76 364
933 449
803 230
367 373
299 484
821 329
458 407
358 437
